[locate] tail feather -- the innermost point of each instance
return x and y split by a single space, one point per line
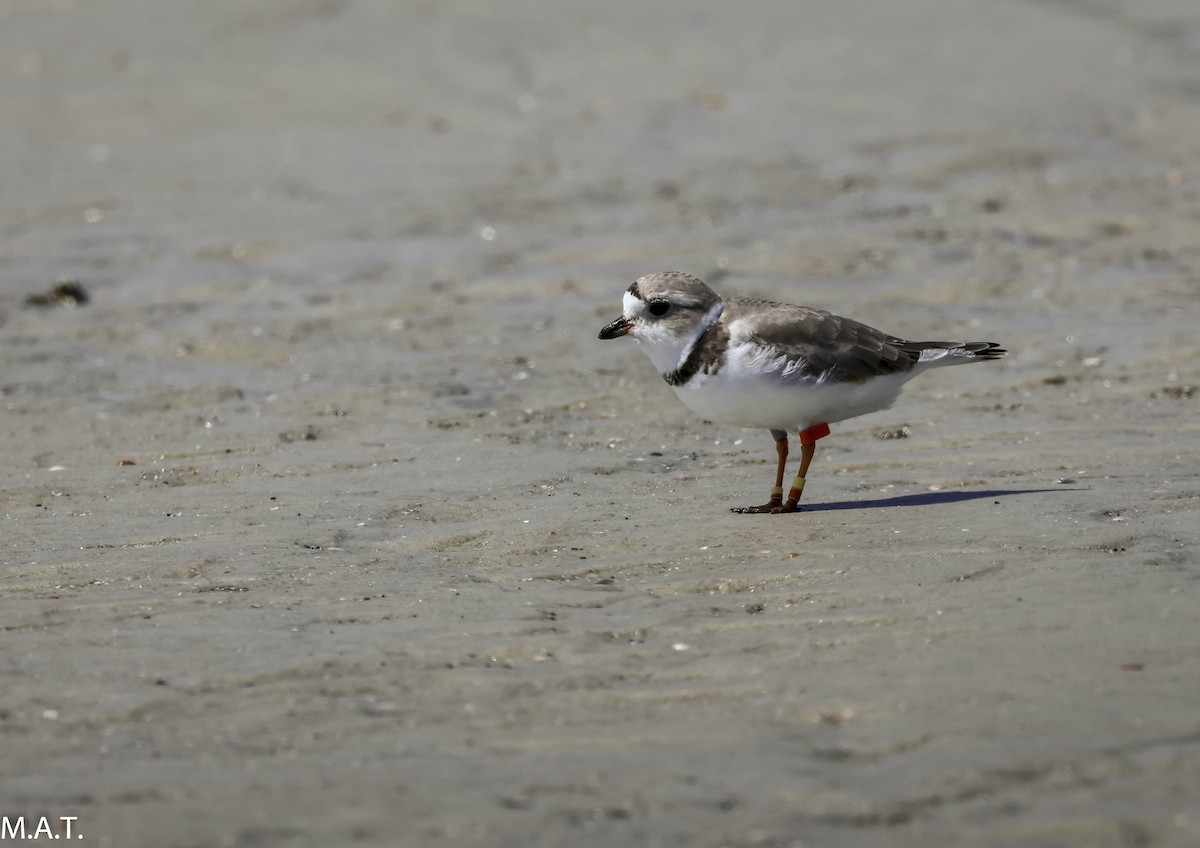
951 353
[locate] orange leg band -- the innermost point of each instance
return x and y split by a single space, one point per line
817 431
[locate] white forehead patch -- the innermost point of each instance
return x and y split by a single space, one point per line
632 306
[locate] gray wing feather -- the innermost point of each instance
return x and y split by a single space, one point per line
825 345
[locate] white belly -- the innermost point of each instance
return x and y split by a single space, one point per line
765 401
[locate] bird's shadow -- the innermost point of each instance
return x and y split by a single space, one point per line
924 499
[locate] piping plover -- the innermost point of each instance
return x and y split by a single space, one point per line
784 368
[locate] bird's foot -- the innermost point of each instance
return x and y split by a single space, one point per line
774 507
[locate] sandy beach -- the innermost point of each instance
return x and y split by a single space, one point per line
329 521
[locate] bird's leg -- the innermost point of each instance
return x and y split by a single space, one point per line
808 448
775 504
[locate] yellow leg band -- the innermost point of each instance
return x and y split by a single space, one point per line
797 488
777 491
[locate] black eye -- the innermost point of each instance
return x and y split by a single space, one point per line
658 307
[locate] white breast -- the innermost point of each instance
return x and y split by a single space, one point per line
756 389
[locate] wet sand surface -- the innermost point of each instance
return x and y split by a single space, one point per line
329 521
